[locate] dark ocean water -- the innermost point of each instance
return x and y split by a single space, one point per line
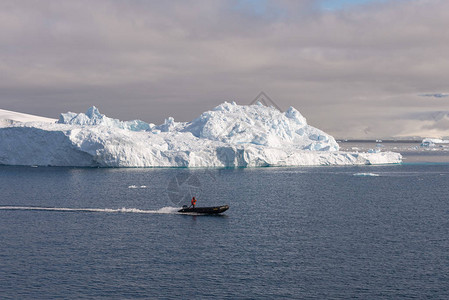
303 233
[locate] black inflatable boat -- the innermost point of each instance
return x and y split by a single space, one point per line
204 210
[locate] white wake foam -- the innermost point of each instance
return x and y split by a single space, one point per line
366 174
163 210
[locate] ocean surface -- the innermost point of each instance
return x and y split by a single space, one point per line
368 232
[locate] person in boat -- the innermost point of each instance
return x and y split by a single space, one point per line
193 202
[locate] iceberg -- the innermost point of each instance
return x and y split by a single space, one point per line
430 142
229 135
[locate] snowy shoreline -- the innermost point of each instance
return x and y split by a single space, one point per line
230 135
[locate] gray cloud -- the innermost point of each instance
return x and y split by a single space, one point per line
353 73
427 123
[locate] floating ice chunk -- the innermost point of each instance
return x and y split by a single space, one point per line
430 142
137 187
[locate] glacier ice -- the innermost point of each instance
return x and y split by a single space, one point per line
430 142
259 125
230 135
94 117
8 117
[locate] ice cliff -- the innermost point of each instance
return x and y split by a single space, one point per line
230 135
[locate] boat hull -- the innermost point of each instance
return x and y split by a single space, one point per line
205 210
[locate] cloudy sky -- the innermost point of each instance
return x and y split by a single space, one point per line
354 68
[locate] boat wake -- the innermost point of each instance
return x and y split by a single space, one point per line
366 174
163 210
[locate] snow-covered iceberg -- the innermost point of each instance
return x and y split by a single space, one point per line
430 142
230 135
